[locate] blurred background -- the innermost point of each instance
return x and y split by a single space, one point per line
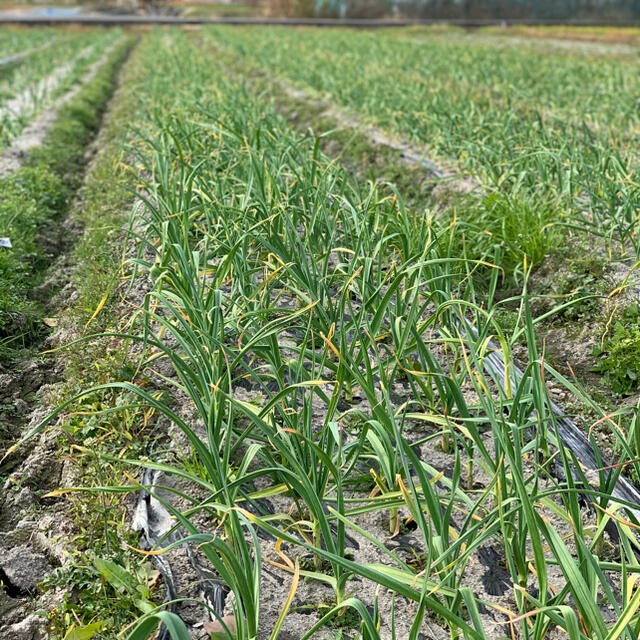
594 11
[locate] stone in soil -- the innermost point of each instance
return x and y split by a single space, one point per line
33 627
23 569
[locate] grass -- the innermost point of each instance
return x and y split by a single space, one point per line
18 315
313 338
42 192
618 352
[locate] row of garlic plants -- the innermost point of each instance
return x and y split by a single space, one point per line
51 69
15 40
552 128
272 270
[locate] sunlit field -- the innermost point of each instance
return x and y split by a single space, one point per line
319 333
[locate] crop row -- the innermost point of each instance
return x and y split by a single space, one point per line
552 128
33 83
308 338
37 194
14 41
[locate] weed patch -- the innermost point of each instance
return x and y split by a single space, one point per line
619 355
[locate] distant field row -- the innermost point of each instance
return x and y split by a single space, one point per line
54 63
553 125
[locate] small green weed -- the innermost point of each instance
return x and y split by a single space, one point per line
102 593
584 279
345 619
620 354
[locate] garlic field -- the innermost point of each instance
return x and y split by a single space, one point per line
318 333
